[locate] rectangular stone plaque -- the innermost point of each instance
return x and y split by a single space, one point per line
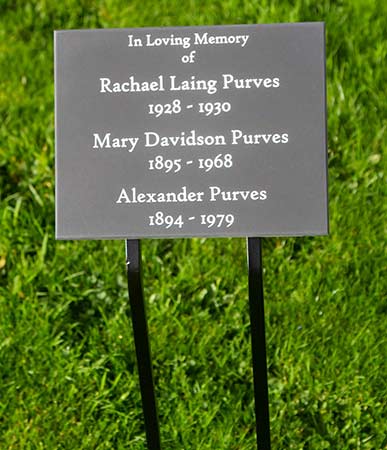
191 131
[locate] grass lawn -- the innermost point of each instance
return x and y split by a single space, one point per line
67 362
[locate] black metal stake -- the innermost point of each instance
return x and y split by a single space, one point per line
258 343
141 340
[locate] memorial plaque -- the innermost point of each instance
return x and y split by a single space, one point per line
191 131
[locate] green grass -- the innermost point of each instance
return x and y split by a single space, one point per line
67 363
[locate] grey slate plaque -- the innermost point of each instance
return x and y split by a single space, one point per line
191 131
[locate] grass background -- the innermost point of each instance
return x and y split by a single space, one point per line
67 363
